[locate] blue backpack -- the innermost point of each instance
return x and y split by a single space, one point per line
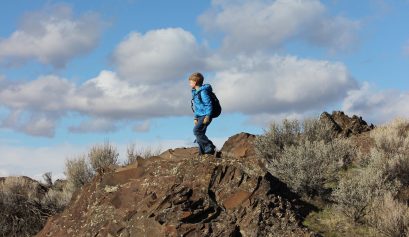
216 108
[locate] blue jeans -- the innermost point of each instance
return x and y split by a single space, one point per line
205 145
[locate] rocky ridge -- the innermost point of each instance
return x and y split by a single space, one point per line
346 126
180 193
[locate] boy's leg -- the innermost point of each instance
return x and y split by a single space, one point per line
205 145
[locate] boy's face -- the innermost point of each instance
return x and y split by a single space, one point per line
192 84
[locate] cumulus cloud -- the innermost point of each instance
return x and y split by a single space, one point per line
150 82
52 36
109 96
47 93
277 84
163 55
37 106
377 106
258 25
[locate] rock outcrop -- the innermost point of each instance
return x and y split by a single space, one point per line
345 126
180 193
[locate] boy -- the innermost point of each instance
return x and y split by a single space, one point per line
202 112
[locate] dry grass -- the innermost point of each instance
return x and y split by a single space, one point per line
133 153
329 222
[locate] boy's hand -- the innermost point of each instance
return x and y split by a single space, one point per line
195 121
206 120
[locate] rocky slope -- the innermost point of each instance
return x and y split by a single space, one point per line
346 126
181 194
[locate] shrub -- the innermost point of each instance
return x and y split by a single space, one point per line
392 138
271 144
390 217
354 196
306 156
78 172
55 201
316 130
358 189
308 167
25 207
103 156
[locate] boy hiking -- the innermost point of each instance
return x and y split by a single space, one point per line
205 106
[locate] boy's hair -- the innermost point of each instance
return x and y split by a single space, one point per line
197 77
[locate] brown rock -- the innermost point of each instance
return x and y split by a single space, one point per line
346 126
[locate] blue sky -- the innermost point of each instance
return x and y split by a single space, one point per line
77 73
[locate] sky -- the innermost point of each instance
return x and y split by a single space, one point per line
74 74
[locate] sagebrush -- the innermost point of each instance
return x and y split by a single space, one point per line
103 156
133 153
304 155
26 204
369 193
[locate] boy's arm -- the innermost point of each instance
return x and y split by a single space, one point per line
207 102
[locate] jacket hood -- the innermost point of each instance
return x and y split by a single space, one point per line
206 87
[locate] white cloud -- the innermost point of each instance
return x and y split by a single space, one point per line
377 106
111 97
274 85
264 120
37 106
258 25
51 36
46 93
158 56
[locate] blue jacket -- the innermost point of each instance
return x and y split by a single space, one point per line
203 106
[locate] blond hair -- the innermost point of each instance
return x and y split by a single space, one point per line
197 77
